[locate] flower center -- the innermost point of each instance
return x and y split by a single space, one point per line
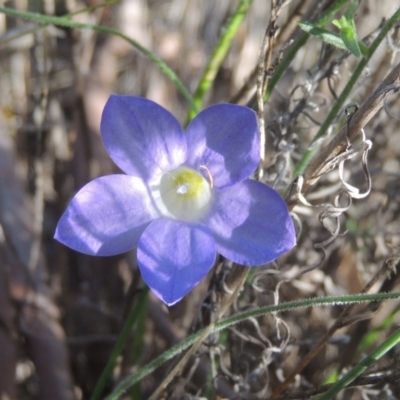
185 194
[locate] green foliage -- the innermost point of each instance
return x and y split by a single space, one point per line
235 319
362 366
323 34
347 29
347 39
337 106
218 56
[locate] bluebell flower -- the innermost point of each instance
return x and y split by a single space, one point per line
185 196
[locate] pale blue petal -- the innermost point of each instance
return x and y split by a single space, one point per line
107 216
174 256
142 138
251 224
224 139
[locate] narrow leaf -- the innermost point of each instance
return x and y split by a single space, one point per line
348 30
349 38
324 35
337 23
351 11
362 366
130 380
368 53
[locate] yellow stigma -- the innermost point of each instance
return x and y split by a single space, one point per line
188 182
185 194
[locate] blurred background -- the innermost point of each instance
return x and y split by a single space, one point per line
60 311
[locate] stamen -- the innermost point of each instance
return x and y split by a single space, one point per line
210 178
184 194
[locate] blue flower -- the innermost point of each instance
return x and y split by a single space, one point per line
185 196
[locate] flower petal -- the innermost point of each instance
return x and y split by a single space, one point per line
251 224
142 138
174 256
224 139
107 216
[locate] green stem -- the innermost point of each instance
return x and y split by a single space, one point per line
298 44
372 335
119 345
65 21
227 322
301 166
139 344
342 383
222 47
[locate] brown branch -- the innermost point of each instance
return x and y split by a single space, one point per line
324 161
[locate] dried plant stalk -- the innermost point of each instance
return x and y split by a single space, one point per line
327 157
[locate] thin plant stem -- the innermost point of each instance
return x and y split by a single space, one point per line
65 21
235 319
339 323
297 45
120 344
325 160
263 76
301 166
355 372
205 333
218 55
287 58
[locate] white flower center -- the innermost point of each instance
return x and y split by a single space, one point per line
184 194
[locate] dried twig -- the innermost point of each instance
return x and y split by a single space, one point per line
341 321
183 361
264 70
327 157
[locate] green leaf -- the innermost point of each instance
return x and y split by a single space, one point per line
138 375
221 49
123 337
324 35
298 44
337 23
347 40
368 53
351 11
350 40
348 31
362 366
